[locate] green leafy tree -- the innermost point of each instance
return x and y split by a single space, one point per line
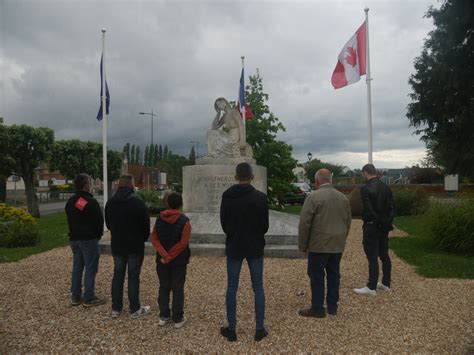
192 156
29 148
316 164
160 152
147 155
442 110
133 154
275 155
72 157
138 157
6 161
165 152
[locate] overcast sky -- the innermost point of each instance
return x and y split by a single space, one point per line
177 57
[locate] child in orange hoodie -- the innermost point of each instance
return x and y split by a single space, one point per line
170 239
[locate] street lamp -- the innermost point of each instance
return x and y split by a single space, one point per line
310 156
197 146
152 115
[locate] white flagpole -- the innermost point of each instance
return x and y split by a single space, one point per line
104 124
242 112
368 80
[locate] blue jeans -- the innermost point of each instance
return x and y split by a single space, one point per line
256 275
320 264
85 255
134 262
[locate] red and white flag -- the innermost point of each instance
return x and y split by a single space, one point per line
351 62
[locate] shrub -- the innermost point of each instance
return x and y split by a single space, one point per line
355 201
451 227
409 201
17 228
153 200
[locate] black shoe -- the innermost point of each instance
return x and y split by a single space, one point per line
230 335
76 301
332 312
96 301
311 313
260 334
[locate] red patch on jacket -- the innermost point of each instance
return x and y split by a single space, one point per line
81 203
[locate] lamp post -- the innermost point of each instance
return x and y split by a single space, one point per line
310 156
197 146
152 115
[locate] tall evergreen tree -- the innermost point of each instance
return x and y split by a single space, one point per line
155 162
165 152
138 158
151 155
192 156
147 155
132 155
442 110
126 152
160 153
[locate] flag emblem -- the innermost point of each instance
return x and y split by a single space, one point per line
81 203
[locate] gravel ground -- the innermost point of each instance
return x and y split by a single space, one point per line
420 315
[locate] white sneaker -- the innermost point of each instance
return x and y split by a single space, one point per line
180 324
144 310
383 287
163 321
365 291
115 314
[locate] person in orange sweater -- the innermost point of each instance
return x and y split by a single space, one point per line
170 239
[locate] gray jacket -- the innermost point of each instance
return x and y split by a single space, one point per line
325 221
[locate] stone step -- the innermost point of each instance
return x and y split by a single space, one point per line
220 239
214 249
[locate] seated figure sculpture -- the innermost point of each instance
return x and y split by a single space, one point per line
228 142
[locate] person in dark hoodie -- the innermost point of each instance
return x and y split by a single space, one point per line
244 220
170 238
127 218
86 225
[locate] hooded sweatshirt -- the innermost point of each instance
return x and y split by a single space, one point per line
170 237
127 218
244 220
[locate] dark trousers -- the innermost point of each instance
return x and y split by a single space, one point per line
85 255
375 241
256 275
134 263
319 266
172 279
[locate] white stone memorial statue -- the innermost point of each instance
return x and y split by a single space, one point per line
226 138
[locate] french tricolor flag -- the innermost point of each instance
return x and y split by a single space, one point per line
242 106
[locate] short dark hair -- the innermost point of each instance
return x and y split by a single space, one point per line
243 171
80 181
126 180
174 200
369 169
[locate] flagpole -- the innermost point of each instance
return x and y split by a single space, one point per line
368 81
104 125
242 111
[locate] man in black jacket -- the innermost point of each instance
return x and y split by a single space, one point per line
86 225
378 213
244 220
127 218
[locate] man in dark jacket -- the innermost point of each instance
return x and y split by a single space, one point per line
86 225
378 213
127 218
244 220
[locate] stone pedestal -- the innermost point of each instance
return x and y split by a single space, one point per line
204 183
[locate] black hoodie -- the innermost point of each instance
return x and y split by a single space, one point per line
244 219
127 218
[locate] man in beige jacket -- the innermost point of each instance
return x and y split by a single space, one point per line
324 224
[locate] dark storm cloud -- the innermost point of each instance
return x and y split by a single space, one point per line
177 57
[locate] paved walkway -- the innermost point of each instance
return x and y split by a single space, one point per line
420 315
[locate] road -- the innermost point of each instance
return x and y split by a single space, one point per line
54 207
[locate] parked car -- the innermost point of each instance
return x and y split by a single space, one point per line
297 196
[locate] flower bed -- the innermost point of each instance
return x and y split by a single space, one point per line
17 227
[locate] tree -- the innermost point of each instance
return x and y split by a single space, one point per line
126 151
138 158
442 110
160 153
6 161
155 155
165 152
132 154
28 148
192 156
275 155
316 164
72 157
151 155
147 155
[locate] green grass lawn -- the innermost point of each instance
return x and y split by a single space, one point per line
429 262
53 233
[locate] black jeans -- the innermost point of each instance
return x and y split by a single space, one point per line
134 262
320 264
375 241
172 278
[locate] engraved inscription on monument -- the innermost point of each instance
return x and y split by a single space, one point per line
214 186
